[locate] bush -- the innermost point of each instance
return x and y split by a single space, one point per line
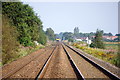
26 41
102 54
42 38
92 45
70 40
116 61
9 40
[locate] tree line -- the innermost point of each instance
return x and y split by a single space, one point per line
21 26
77 34
97 40
27 23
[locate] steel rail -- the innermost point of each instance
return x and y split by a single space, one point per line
17 69
44 68
76 70
102 69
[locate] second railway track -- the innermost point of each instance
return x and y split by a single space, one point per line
28 67
88 68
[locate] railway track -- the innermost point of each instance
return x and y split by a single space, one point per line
42 71
57 66
25 70
102 70
77 71
63 62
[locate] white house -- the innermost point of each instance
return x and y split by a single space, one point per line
78 39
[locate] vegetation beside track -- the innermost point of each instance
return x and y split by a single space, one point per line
109 54
21 28
20 52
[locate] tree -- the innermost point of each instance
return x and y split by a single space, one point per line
42 38
60 35
98 40
50 34
108 34
76 31
117 35
25 20
68 36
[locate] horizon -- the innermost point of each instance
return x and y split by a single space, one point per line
88 32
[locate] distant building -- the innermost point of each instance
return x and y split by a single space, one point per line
85 39
108 37
78 39
113 37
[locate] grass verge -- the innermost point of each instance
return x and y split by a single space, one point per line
106 55
21 52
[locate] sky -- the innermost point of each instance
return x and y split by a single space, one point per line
88 16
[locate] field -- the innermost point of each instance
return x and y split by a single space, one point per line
111 45
109 54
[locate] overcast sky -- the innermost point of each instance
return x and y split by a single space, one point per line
88 16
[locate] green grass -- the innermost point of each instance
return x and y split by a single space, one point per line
109 54
112 46
21 52
1 64
116 47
